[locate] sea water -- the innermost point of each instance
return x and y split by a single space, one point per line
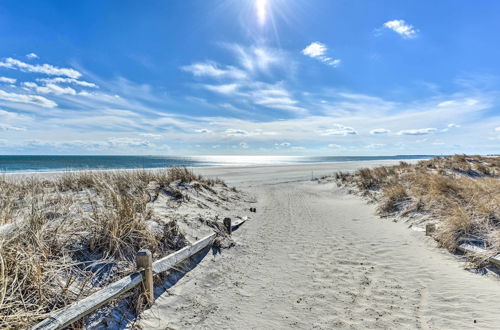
26 164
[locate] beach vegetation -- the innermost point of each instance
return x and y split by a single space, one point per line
63 238
460 193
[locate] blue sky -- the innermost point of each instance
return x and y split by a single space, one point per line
275 77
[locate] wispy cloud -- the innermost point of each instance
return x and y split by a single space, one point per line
283 144
318 51
222 89
338 130
151 135
203 131
379 131
275 96
402 28
420 131
50 89
213 70
47 69
257 59
236 132
60 80
375 146
29 99
7 80
5 127
31 56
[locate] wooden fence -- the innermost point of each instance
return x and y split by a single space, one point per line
146 269
430 228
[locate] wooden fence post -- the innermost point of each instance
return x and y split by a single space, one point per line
429 229
144 260
227 224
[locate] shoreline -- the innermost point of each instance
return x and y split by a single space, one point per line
51 173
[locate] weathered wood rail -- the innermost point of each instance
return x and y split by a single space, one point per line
430 228
482 253
81 308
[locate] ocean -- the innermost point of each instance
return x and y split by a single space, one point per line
28 164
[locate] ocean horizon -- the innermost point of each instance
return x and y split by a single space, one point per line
58 163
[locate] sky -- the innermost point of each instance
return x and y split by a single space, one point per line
249 77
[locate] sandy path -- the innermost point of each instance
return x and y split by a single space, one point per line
314 257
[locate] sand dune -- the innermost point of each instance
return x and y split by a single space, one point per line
314 257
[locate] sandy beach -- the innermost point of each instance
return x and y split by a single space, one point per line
315 257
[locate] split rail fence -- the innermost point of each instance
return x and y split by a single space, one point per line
146 269
468 248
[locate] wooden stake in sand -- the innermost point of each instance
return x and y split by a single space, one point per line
144 261
227 224
429 229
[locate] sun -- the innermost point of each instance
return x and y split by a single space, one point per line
261 7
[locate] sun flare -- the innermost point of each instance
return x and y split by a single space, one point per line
261 10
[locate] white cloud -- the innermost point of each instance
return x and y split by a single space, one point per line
28 99
315 49
222 89
32 56
497 129
318 50
375 146
447 103
7 80
5 127
244 145
258 59
67 81
275 96
402 28
210 69
50 89
43 68
283 144
5 115
379 131
338 130
452 125
203 131
272 96
420 131
151 135
235 132
125 142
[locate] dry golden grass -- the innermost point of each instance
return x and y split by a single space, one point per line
461 193
60 240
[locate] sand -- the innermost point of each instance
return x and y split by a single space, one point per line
315 257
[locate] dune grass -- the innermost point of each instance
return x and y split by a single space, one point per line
62 239
460 193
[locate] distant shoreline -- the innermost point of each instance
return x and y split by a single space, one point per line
35 165
51 173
